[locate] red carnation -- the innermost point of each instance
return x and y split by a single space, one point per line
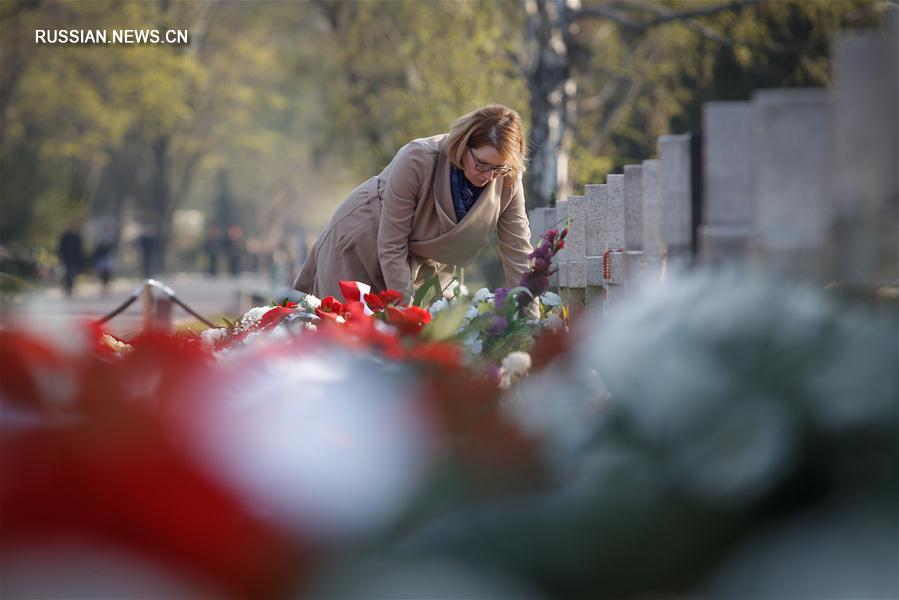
391 297
326 316
375 302
332 305
409 320
274 316
440 354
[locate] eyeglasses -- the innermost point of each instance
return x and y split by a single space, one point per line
485 168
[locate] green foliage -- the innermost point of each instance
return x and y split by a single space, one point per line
427 292
297 102
407 69
445 324
637 87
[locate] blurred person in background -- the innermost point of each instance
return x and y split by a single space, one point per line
146 243
234 249
105 255
212 246
254 255
430 210
71 253
283 263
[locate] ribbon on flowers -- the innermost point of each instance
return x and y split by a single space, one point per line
355 291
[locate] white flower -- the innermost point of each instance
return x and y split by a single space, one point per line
517 363
252 317
473 342
210 336
311 302
471 313
551 300
514 366
482 295
457 289
439 305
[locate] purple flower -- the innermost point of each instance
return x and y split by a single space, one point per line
537 283
499 296
498 326
536 280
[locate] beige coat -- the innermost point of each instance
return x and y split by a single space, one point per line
399 227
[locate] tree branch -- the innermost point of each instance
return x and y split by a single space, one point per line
706 31
604 12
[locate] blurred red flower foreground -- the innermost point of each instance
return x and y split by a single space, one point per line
106 446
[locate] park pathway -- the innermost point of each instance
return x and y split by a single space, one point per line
211 297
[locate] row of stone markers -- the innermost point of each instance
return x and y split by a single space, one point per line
803 183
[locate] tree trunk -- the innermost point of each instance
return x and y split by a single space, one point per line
159 191
552 99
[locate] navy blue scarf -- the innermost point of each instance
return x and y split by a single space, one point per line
464 193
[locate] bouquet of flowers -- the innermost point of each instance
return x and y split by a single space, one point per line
491 331
495 326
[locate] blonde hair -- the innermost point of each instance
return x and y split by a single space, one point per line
492 125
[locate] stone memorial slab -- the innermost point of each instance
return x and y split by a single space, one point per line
576 242
675 165
550 219
723 244
614 273
791 163
653 244
594 271
615 222
865 159
633 269
727 129
633 223
728 201
537 224
616 269
597 226
633 207
572 269
597 196
562 256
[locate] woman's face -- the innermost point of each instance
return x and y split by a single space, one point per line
483 156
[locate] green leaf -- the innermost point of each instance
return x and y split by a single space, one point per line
515 291
429 290
511 301
445 324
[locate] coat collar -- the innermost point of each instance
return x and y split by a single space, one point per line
486 202
443 194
